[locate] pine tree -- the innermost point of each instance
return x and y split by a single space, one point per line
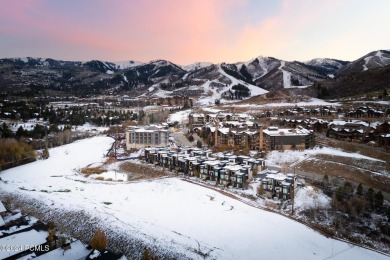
326 179
370 197
385 94
359 190
378 200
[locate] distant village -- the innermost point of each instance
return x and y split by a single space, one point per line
235 143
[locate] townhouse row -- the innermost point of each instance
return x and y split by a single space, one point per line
224 168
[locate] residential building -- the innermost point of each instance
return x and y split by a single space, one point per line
147 136
196 120
224 168
275 138
279 185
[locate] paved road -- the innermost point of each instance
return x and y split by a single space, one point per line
196 137
181 140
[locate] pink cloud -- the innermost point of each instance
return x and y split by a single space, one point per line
280 33
177 30
180 31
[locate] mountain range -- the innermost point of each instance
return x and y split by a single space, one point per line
33 76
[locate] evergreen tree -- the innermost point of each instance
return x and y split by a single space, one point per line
341 193
370 197
20 132
5 132
385 94
326 179
348 189
378 200
359 190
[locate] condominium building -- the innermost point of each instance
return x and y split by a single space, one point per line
147 136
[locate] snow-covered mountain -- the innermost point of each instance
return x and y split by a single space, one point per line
325 66
127 64
155 72
202 80
270 73
196 66
375 59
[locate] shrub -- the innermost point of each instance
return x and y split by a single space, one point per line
260 190
90 171
99 240
13 153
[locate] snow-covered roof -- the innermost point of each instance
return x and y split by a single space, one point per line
76 251
286 131
233 167
349 122
212 163
197 115
2 208
2 223
224 130
277 176
30 238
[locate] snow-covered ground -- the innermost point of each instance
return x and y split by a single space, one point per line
381 102
179 116
312 102
255 90
294 156
29 126
171 213
87 127
310 198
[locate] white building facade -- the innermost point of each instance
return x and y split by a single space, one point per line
142 137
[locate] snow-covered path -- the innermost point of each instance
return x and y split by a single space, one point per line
179 216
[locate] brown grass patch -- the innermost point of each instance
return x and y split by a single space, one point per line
90 171
271 204
374 152
141 171
322 165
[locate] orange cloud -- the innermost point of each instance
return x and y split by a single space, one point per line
179 31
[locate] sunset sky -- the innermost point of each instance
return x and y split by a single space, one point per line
187 31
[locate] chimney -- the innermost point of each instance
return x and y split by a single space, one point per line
216 134
261 138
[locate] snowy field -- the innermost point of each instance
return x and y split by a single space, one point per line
312 102
180 116
169 213
291 156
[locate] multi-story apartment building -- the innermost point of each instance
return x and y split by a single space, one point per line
147 136
275 138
